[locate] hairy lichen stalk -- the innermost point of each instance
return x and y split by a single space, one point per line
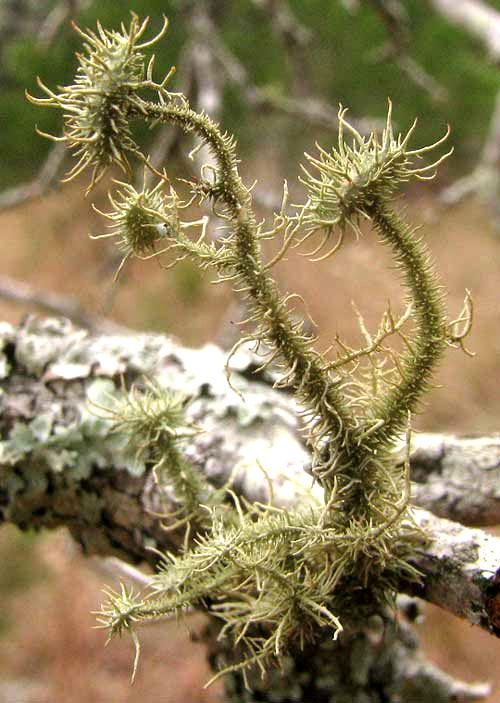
273 577
305 369
430 338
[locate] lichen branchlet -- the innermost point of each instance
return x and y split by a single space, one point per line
143 222
341 183
153 422
275 577
98 106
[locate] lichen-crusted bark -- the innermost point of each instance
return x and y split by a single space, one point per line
458 477
59 464
459 567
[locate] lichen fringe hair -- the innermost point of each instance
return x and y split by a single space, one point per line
273 577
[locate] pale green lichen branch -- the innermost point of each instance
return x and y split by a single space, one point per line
153 421
273 577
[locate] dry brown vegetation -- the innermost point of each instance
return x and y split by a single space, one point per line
47 643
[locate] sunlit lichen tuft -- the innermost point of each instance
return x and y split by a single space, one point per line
98 106
142 221
344 180
273 577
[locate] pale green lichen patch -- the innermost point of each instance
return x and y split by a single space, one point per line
25 438
76 447
53 465
55 350
40 342
274 578
248 406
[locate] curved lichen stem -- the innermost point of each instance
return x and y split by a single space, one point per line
307 374
273 577
430 337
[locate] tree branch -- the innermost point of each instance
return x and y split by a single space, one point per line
55 303
476 17
484 179
295 38
309 108
47 176
60 465
457 478
395 18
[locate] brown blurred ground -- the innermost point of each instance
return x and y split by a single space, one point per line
46 635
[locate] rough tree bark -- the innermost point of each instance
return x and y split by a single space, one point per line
59 465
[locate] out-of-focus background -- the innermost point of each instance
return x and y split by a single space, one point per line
273 72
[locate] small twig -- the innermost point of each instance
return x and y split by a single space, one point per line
394 16
484 179
49 30
309 109
476 17
208 86
284 22
120 570
395 19
421 78
47 176
22 293
294 36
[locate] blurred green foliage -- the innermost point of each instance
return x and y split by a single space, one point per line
340 66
